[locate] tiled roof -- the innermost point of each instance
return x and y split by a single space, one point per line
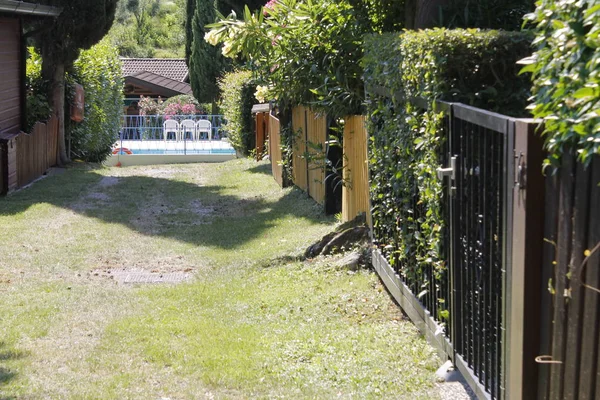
173 68
161 84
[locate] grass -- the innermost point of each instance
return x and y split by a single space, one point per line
252 323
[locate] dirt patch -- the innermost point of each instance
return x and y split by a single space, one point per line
109 181
198 208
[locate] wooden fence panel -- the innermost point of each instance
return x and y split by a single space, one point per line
316 132
36 151
355 193
573 345
299 164
275 149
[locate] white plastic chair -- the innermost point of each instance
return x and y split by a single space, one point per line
171 125
188 125
202 126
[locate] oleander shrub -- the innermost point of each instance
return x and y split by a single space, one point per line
237 99
566 76
98 70
469 66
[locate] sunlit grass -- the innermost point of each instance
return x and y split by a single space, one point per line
246 326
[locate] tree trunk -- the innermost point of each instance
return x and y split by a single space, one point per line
58 107
428 13
422 14
53 72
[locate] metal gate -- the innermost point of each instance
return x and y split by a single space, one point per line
480 203
492 245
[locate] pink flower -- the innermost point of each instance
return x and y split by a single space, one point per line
269 6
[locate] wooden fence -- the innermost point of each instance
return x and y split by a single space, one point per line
275 149
36 151
27 156
309 152
570 334
355 193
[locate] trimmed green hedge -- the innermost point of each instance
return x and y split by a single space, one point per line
469 66
98 70
566 75
237 91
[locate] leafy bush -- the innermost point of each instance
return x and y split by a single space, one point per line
305 52
99 71
469 66
37 106
182 104
566 75
237 91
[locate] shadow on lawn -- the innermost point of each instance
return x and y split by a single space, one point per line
261 169
6 375
202 215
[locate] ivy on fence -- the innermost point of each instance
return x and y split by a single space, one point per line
407 141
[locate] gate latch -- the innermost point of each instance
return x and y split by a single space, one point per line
451 172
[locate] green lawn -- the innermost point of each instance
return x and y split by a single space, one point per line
250 322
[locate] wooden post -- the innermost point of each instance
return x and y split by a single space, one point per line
524 302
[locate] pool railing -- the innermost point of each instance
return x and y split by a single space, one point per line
150 127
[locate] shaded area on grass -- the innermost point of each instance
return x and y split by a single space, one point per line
7 355
174 209
261 169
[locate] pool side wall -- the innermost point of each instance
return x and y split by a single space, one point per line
150 159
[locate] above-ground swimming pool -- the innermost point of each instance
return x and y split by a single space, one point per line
146 152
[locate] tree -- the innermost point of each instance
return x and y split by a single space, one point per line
189 32
80 25
206 61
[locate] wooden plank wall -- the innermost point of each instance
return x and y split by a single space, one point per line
355 193
309 152
262 133
10 78
316 126
299 165
572 232
275 149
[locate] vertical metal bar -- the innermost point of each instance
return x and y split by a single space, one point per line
508 184
486 288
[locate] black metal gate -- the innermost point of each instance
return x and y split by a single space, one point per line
480 202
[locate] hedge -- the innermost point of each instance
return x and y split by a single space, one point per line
566 74
99 71
237 91
469 66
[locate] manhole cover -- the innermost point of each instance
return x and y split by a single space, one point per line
150 277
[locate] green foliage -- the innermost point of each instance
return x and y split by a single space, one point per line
37 107
206 61
306 52
149 28
99 71
490 14
469 66
80 25
237 90
566 76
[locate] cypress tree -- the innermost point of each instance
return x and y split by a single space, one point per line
206 62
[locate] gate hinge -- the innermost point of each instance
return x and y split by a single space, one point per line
521 171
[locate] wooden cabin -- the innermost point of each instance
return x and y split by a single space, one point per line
12 81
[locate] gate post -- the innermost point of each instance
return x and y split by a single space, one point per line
524 280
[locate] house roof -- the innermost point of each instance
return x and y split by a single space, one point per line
173 68
28 8
159 84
